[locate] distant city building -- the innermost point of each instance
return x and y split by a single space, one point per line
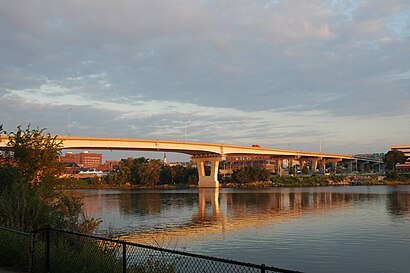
405 149
180 163
403 168
85 160
234 162
71 168
164 160
110 165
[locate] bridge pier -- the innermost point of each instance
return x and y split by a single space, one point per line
350 166
207 181
314 166
279 169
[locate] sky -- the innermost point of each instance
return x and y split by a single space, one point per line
306 75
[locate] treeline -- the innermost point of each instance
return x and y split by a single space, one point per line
248 174
150 173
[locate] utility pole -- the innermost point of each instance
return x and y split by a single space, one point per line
69 120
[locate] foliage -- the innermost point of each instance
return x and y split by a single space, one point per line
393 157
309 181
148 173
14 251
35 153
28 199
392 175
250 174
166 175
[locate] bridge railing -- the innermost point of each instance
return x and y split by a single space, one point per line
54 250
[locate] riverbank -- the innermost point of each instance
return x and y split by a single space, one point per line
283 181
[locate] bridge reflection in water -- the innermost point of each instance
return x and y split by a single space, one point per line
221 211
208 196
328 229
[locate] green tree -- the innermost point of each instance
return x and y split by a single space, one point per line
393 157
166 174
240 176
179 174
35 153
150 172
191 175
27 198
250 174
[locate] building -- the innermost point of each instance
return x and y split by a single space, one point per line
109 165
84 160
234 162
405 149
403 168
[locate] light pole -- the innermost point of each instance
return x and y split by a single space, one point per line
69 120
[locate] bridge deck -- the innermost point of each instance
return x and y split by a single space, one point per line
186 147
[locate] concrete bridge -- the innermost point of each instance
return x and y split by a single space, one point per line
201 153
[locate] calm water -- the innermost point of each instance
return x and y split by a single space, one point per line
332 229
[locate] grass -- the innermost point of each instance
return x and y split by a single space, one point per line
14 250
71 253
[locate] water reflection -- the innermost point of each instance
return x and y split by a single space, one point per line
398 204
213 206
208 196
268 225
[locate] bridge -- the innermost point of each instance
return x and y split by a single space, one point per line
203 152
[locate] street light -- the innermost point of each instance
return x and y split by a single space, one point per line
69 120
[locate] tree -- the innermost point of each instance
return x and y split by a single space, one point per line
166 175
27 198
393 157
35 153
149 172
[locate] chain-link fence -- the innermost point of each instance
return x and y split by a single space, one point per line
53 250
15 249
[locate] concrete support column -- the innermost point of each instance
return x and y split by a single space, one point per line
334 166
201 168
279 167
208 181
350 166
314 166
290 165
302 164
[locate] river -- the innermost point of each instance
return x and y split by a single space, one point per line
321 229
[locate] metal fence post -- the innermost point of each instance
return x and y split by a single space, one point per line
124 257
262 268
48 249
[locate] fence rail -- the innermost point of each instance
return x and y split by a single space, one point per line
54 250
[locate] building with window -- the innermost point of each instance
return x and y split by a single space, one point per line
234 162
84 160
405 149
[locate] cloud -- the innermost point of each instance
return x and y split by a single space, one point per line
243 71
